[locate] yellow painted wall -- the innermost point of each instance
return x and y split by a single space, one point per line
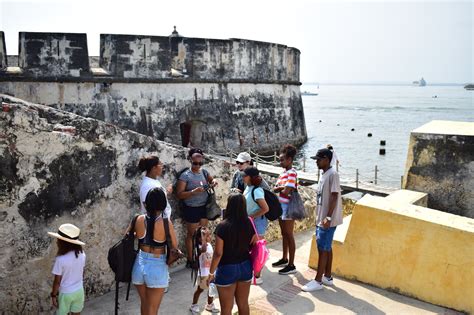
416 251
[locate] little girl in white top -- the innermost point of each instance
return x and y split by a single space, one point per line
202 257
67 294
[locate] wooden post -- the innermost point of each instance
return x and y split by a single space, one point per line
375 181
256 160
401 182
304 164
357 178
275 158
230 156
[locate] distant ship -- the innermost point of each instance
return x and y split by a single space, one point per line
422 82
469 87
309 93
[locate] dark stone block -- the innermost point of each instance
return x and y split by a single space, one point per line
54 55
75 178
3 52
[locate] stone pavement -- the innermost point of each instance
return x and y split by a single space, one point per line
280 294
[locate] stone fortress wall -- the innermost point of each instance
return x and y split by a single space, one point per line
219 94
57 167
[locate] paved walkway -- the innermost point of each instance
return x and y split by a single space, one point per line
280 294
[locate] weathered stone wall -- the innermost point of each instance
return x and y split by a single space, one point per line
152 57
226 94
53 55
441 163
57 167
219 116
3 52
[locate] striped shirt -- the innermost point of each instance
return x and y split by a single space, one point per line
286 179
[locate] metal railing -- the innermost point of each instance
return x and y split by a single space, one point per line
347 175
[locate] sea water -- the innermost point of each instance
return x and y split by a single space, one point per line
389 113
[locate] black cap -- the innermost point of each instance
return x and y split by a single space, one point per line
251 171
323 153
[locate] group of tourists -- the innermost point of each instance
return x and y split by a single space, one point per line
227 267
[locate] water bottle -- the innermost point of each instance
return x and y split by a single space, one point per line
212 290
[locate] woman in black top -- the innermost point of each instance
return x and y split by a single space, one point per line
231 260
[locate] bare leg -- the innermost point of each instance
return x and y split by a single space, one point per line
197 294
322 262
283 239
328 269
154 297
203 222
190 228
287 232
141 289
226 298
242 297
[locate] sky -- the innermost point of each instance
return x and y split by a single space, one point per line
340 41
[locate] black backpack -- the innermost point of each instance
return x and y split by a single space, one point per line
121 258
274 206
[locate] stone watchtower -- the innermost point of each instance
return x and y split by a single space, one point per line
210 93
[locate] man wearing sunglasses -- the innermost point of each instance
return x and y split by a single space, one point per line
191 188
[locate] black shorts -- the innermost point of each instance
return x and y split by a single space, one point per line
194 214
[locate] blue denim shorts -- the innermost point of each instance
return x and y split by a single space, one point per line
150 270
227 275
324 238
261 224
284 213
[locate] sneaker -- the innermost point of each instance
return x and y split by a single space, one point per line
280 263
212 308
258 281
327 281
313 285
195 309
289 269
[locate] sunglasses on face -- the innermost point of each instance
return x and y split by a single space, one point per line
240 163
198 163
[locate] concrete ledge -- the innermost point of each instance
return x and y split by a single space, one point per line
408 196
412 250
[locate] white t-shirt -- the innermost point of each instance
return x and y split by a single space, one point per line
147 184
205 261
328 183
71 269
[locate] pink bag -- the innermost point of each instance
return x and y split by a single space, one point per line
258 253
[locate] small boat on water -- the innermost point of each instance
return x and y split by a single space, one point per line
469 87
422 82
309 93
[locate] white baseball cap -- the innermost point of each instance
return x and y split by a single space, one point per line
243 157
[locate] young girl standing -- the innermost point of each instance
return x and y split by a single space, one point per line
68 292
202 254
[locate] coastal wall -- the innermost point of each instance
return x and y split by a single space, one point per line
3 52
441 163
57 167
412 250
220 94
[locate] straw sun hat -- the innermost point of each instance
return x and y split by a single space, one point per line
68 233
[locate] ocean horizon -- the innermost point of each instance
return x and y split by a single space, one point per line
388 112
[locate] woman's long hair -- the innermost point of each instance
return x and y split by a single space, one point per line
235 216
155 202
66 247
197 241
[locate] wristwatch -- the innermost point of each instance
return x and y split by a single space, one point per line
328 218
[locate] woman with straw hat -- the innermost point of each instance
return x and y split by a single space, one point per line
68 290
